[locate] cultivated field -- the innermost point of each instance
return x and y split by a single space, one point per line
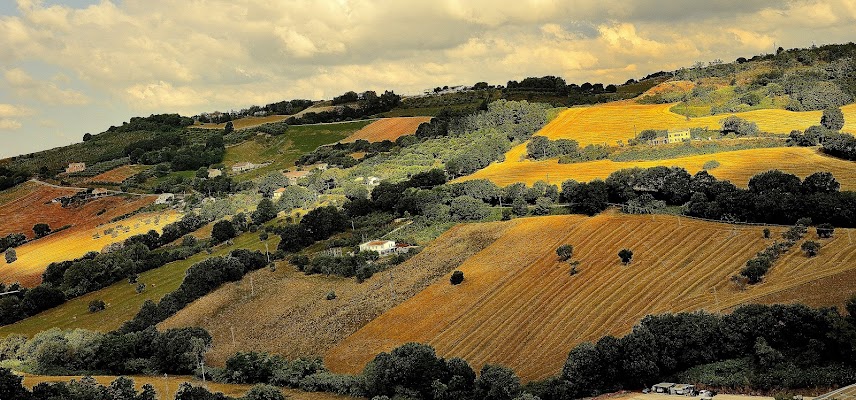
387 129
283 150
166 387
34 256
519 306
29 203
118 175
623 120
735 166
123 302
289 312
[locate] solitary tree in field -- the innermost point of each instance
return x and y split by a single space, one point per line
825 230
96 306
766 233
41 229
223 231
810 248
625 255
832 119
565 252
11 255
457 278
229 127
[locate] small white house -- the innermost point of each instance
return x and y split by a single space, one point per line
243 166
164 198
75 167
278 193
372 181
383 247
213 173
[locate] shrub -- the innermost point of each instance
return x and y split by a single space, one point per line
832 119
709 165
264 392
222 231
96 306
457 277
11 255
565 252
766 233
625 255
41 229
810 248
331 295
825 230
543 205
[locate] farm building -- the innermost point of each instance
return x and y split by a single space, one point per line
682 389
673 137
243 166
278 193
664 387
294 176
75 167
213 173
381 246
321 166
164 198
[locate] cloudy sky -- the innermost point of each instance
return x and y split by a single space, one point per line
73 66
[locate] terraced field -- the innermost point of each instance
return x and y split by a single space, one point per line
735 166
518 305
290 313
166 387
622 120
387 129
123 302
34 256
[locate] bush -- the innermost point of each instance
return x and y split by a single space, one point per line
331 295
832 119
625 255
264 392
11 255
709 165
457 277
810 248
96 306
41 229
222 231
565 252
825 230
766 233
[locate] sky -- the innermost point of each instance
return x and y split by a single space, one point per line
68 67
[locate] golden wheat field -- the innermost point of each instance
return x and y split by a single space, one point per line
290 313
387 129
623 120
518 305
166 387
735 166
34 256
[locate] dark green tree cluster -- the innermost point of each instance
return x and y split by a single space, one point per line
12 240
181 151
367 103
339 154
9 178
122 388
540 147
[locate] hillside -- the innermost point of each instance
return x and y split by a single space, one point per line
289 311
623 120
518 305
387 129
736 166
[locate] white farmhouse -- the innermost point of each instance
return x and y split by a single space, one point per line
381 246
164 198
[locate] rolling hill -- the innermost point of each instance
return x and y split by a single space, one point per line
519 306
736 166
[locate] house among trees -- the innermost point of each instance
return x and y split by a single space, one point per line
100 192
164 198
382 247
75 167
683 389
294 176
673 137
664 387
213 173
278 193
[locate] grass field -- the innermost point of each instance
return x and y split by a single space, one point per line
387 129
166 387
289 311
122 300
736 166
622 120
283 150
29 203
518 305
118 175
34 256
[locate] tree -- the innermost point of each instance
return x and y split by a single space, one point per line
466 208
810 248
228 128
11 386
457 277
265 211
565 252
11 255
497 383
87 136
519 206
625 255
543 205
264 392
825 230
222 231
41 229
832 119
766 233
96 306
